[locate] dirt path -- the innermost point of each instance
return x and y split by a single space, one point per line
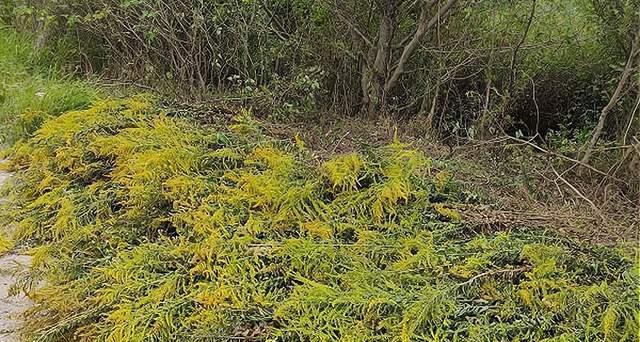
11 307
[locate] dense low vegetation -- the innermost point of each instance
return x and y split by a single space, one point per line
154 218
147 227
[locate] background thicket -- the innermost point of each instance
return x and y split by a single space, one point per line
467 67
562 73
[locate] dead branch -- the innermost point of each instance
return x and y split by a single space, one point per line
559 176
494 272
514 56
564 157
613 101
423 28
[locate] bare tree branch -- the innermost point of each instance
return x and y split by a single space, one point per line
628 68
514 56
425 8
423 28
345 20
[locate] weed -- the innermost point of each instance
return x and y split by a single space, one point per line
29 95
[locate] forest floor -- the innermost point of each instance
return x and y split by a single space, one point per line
524 186
12 306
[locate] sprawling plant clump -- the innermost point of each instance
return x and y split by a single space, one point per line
146 227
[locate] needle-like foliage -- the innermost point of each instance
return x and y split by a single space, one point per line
146 227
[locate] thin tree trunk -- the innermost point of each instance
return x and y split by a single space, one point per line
631 119
628 68
430 102
423 28
514 56
377 96
486 119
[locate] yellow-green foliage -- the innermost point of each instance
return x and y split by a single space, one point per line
146 227
5 244
448 213
344 171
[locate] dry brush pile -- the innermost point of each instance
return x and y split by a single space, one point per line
144 226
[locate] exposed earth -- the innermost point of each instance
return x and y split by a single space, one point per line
11 307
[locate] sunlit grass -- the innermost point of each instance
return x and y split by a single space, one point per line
31 90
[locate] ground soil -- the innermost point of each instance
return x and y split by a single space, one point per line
11 306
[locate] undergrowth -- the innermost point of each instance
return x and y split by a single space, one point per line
30 93
146 227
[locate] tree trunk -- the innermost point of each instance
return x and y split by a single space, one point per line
628 68
382 73
377 76
514 56
423 27
486 117
428 107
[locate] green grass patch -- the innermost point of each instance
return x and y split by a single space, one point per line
147 227
31 90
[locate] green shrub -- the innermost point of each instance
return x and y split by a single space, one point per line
146 227
294 58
